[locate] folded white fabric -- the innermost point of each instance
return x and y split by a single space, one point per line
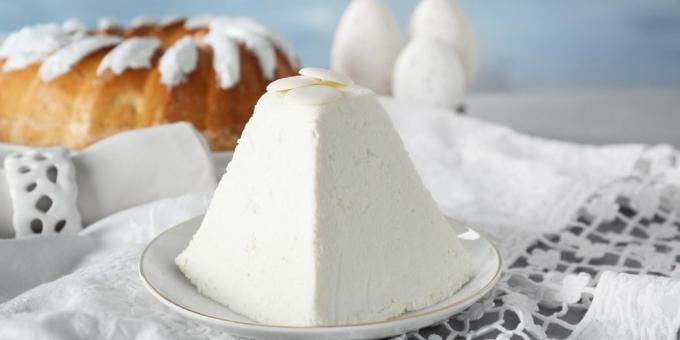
632 307
129 169
491 175
91 288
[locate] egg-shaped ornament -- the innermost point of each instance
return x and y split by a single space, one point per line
366 45
444 20
429 71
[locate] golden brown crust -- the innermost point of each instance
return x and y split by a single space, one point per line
80 107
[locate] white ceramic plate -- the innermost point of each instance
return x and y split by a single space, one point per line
160 275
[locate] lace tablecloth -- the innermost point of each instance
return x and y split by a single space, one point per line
611 271
590 237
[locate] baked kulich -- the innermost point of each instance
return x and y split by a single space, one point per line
65 84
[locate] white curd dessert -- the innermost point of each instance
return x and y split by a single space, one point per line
321 218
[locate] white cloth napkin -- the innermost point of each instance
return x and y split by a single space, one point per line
95 292
485 174
129 169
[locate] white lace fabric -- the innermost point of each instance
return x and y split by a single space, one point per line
612 271
567 219
621 296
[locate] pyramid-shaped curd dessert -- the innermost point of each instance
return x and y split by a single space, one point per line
321 217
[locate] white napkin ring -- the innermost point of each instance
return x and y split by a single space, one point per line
43 191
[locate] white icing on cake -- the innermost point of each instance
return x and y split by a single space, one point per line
178 61
199 21
35 44
73 26
63 60
264 31
202 21
226 58
169 20
22 61
78 35
322 219
132 53
107 23
256 43
38 38
142 20
31 45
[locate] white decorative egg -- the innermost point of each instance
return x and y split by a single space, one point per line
429 71
366 45
443 20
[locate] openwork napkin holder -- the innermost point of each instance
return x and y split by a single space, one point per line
44 193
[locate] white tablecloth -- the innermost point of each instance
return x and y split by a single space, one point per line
554 209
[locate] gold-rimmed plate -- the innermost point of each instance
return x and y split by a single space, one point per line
164 280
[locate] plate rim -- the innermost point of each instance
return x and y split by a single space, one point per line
259 326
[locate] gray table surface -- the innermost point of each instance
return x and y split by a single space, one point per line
650 117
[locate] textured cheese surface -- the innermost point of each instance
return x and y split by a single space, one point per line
322 219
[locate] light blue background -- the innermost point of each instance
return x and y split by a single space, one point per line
525 45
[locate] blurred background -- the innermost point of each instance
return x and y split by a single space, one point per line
585 56
524 44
